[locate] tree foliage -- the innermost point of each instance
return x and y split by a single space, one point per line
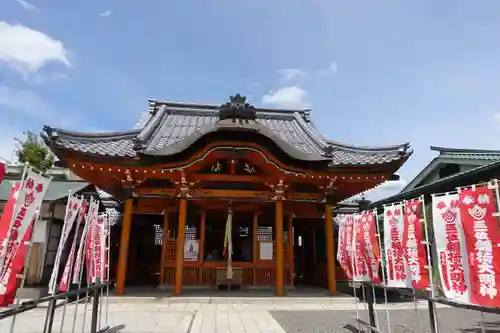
32 150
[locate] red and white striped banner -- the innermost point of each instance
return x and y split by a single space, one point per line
65 278
396 265
450 246
482 240
413 243
72 208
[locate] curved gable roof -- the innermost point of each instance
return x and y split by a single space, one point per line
171 127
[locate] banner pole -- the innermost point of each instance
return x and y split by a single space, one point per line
29 244
82 247
383 264
432 305
108 263
3 253
77 227
90 262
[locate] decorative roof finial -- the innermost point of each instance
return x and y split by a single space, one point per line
237 108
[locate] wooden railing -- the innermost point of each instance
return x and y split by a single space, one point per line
206 272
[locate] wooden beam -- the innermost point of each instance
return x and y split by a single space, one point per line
179 255
214 177
279 249
330 248
121 275
164 247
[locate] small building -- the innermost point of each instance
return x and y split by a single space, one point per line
186 167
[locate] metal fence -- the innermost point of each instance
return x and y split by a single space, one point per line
379 309
81 310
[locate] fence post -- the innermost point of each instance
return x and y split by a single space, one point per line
49 316
371 311
95 305
432 315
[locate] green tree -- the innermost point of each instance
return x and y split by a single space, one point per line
32 150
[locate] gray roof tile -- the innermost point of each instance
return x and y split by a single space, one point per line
175 124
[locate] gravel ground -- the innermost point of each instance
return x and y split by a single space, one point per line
402 321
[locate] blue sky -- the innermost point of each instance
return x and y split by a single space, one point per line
374 74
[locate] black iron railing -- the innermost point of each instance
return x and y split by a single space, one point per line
92 292
368 295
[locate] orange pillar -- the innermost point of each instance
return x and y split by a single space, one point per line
330 248
121 274
255 247
290 249
179 253
279 248
164 247
201 252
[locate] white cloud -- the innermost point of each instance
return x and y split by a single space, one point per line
287 97
330 70
106 13
27 6
291 73
27 50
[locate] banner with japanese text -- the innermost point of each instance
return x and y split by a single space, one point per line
413 243
360 266
28 202
342 253
450 247
9 281
90 243
72 208
68 267
370 245
482 240
80 255
396 265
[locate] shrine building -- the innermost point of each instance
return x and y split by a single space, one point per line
186 167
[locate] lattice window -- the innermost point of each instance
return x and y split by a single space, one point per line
158 234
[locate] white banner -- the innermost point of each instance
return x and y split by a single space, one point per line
397 269
72 208
92 214
450 246
28 202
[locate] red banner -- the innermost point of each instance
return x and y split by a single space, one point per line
370 245
413 243
8 291
2 171
64 283
482 239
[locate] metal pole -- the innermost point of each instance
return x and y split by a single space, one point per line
83 241
432 309
371 310
95 305
383 268
108 278
3 253
25 268
49 317
73 248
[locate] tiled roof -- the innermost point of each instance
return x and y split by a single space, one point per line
467 154
475 175
170 127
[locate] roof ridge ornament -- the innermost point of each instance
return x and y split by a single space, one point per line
237 108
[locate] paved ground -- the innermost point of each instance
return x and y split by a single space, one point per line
245 315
